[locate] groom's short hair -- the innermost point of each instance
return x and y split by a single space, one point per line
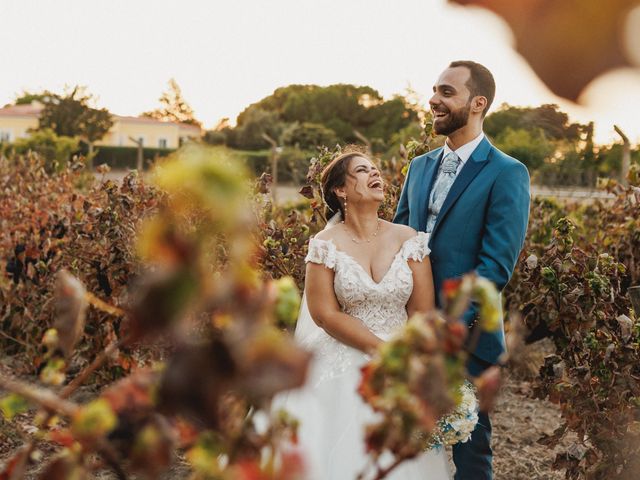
480 83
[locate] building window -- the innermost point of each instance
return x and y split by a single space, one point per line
5 135
162 143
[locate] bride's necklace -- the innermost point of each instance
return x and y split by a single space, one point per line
367 240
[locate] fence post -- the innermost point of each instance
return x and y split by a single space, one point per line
626 155
140 158
274 167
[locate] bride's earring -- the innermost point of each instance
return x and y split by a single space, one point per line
345 208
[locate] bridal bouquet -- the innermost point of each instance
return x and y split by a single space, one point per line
457 426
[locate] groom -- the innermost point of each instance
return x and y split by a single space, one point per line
474 200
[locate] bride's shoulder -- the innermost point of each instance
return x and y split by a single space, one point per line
401 232
413 245
328 234
322 248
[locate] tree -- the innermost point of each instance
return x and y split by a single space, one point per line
342 108
70 115
548 118
174 108
26 98
257 122
56 150
308 135
531 147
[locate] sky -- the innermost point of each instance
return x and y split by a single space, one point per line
226 55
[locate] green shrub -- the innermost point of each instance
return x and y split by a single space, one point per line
55 150
120 158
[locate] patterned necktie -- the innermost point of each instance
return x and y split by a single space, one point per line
441 187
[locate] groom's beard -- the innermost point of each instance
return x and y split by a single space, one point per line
454 121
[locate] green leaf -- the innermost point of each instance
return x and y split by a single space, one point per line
95 419
12 405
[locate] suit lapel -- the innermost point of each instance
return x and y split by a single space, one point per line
428 177
477 161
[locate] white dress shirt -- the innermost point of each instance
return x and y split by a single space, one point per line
463 152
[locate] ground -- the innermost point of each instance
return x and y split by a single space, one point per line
518 422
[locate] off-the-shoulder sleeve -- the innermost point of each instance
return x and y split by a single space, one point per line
416 248
322 252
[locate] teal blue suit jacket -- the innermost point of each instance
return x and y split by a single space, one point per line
481 226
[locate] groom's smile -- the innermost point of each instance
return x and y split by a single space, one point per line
450 103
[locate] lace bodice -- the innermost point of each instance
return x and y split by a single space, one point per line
381 306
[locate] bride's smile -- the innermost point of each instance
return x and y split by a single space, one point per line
363 182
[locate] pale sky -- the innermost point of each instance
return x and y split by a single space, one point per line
226 55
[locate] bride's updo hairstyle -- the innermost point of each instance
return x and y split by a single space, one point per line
334 176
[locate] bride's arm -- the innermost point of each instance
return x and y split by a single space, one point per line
422 297
325 311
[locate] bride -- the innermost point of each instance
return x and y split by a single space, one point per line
364 277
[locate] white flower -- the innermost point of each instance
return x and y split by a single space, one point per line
459 424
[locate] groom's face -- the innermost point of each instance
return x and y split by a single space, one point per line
451 101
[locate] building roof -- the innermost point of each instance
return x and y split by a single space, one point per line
147 120
34 109
30 110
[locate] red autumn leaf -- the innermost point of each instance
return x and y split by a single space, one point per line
248 470
450 287
186 433
15 466
61 436
456 334
365 389
270 362
293 466
134 392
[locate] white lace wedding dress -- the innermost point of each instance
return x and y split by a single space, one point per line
332 414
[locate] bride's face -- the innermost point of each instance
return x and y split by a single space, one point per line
363 181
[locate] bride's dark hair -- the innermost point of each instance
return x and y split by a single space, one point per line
334 176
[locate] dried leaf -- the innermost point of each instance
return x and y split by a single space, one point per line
488 385
71 306
152 450
306 192
194 381
270 362
160 300
626 326
67 466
